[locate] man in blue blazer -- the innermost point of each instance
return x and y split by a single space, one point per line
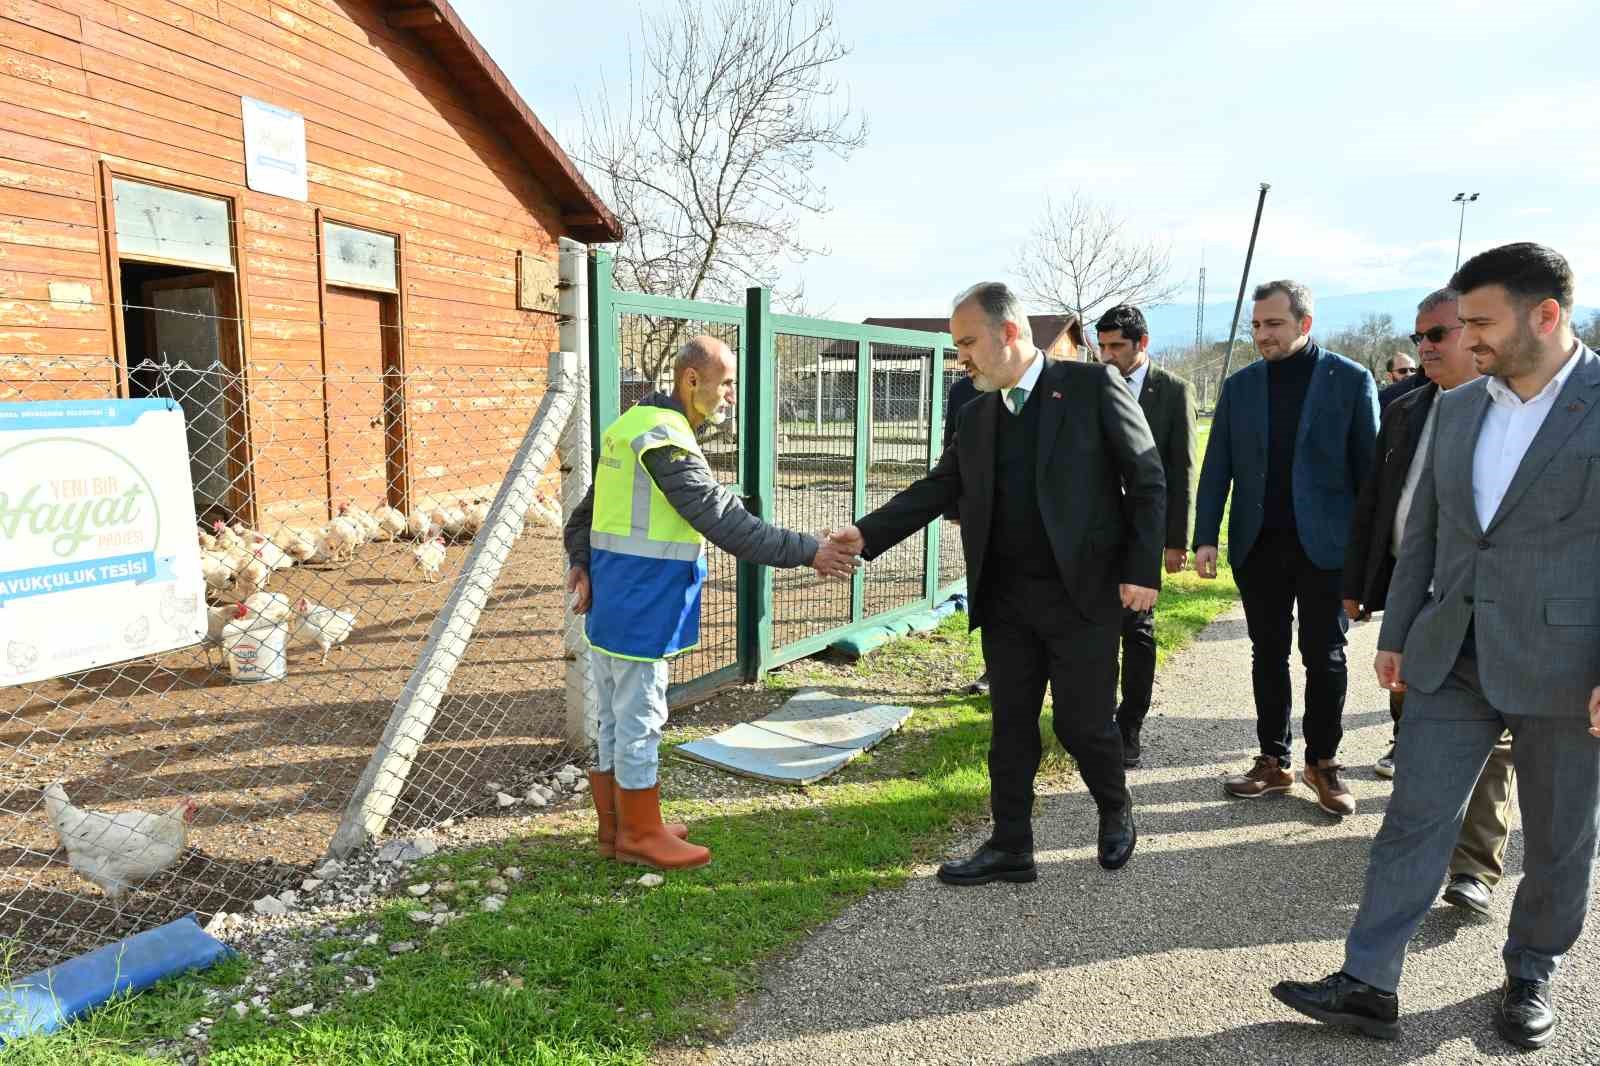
1293 435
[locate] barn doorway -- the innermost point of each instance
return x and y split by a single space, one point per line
181 330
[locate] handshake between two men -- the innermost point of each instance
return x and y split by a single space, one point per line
841 550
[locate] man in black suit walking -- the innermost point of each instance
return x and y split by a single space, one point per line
1168 405
1063 515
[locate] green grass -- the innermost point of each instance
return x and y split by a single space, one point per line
585 966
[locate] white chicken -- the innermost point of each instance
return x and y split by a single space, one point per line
207 541
251 577
275 607
430 555
218 569
476 514
417 523
272 554
322 626
391 523
226 540
340 539
218 617
297 544
364 521
452 521
117 851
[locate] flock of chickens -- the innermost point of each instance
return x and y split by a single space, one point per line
117 851
238 563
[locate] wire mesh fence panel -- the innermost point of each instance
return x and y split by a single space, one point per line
813 443
335 510
899 448
647 347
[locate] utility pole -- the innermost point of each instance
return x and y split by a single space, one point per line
1200 309
1463 199
1244 279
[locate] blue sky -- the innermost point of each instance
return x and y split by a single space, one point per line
1365 117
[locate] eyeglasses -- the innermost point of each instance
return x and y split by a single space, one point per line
1404 371
1434 335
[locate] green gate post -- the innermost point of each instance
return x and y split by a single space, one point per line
758 433
930 585
605 359
863 454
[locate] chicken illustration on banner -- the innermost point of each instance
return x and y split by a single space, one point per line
96 520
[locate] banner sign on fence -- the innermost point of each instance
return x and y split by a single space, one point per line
98 557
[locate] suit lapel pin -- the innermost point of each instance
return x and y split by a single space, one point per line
1575 406
1055 395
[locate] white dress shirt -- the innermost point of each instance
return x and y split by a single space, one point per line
1029 380
1135 380
1509 427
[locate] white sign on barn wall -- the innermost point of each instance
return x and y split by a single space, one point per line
98 557
274 149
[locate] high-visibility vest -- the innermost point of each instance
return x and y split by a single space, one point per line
646 563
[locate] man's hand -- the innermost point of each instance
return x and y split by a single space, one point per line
578 584
849 538
1387 664
1205 560
1137 597
833 559
1594 713
1175 559
1353 611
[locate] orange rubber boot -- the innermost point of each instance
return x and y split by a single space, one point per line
602 785
642 839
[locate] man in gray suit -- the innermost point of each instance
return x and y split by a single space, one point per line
1493 623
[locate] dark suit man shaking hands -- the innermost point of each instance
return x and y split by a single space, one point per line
1063 517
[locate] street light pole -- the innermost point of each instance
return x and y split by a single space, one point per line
1463 199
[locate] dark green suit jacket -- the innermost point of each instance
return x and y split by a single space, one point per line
1168 404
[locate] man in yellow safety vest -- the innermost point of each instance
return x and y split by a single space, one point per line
636 548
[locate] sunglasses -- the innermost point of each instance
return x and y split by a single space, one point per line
1434 335
1404 371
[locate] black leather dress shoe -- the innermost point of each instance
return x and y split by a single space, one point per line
980 687
1340 999
990 864
1526 1017
1468 892
1117 837
1131 752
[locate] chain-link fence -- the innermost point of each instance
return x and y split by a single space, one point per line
339 516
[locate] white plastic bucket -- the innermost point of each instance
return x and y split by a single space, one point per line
254 649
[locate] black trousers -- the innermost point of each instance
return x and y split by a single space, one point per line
1274 580
1032 636
1138 668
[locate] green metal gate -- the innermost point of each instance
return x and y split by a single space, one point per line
833 419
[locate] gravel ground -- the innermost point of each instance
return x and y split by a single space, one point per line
1170 960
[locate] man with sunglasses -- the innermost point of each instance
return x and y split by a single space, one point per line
1380 516
1402 377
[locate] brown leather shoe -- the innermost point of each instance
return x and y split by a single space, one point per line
1322 778
602 786
642 839
1267 775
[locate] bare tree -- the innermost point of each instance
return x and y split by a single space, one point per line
1589 331
1079 258
708 160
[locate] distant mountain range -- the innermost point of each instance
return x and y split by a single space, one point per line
1172 326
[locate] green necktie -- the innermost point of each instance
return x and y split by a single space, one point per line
1019 396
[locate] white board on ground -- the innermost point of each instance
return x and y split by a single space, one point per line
814 734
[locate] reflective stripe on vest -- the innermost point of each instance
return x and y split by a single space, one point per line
647 563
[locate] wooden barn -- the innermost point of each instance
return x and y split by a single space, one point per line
328 227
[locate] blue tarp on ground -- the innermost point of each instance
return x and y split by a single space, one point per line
46 1000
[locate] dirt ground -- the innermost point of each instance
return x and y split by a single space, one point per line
273 765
